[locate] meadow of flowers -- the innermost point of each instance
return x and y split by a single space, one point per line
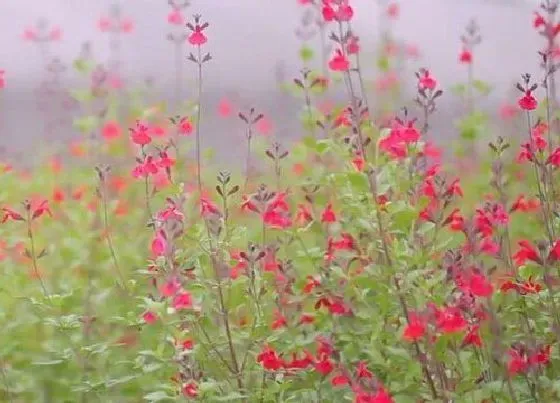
360 263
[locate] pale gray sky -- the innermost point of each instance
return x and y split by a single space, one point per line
247 38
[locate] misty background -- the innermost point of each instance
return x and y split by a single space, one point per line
250 41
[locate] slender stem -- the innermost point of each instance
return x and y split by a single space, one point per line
198 121
248 159
178 74
6 383
34 255
108 236
544 199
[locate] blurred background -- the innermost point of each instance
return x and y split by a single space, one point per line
254 43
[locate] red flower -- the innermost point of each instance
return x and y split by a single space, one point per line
473 337
554 158
339 62
325 366
111 130
415 329
185 126
182 300
328 215
517 362
165 161
41 209
352 46
58 195
145 168
10 214
528 102
139 134
159 244
524 205
277 214
306 319
197 37
312 282
426 81
328 12
454 189
362 371
339 11
538 21
190 390
269 359
279 322
224 108
455 221
175 17
299 363
466 56
541 356
554 254
529 287
208 209
480 286
170 288
393 10
345 12
381 396
340 380
526 252
149 317
450 320
358 162
508 285
303 215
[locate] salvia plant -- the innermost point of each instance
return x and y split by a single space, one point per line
358 264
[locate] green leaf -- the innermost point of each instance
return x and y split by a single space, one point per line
383 64
459 89
82 96
482 87
48 362
231 397
86 124
158 397
306 53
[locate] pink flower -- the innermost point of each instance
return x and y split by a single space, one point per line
104 24
139 134
528 102
175 18
170 287
149 317
182 300
159 244
466 56
339 62
328 215
111 130
393 10
29 34
127 26
2 79
415 329
480 286
197 37
55 34
224 108
353 46
426 81
185 126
